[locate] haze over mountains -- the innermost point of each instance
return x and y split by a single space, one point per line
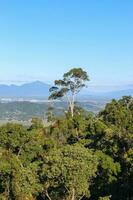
33 89
40 89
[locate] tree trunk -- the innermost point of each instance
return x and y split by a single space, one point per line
73 194
71 103
72 110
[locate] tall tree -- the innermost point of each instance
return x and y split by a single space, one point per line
71 84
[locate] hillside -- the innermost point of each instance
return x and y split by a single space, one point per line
23 111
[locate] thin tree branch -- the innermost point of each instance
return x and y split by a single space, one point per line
48 195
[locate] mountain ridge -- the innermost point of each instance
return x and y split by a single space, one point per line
35 89
41 89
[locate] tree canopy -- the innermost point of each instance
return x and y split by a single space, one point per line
86 157
71 84
78 156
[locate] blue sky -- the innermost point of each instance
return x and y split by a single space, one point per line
42 39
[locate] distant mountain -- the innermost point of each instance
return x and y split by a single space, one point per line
39 89
104 96
34 89
119 93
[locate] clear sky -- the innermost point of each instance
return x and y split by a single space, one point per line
42 39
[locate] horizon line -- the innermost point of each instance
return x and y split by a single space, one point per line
16 82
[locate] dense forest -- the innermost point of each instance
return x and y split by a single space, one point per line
79 156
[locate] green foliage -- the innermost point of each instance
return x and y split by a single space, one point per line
72 167
110 169
104 198
71 84
36 123
13 136
82 157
